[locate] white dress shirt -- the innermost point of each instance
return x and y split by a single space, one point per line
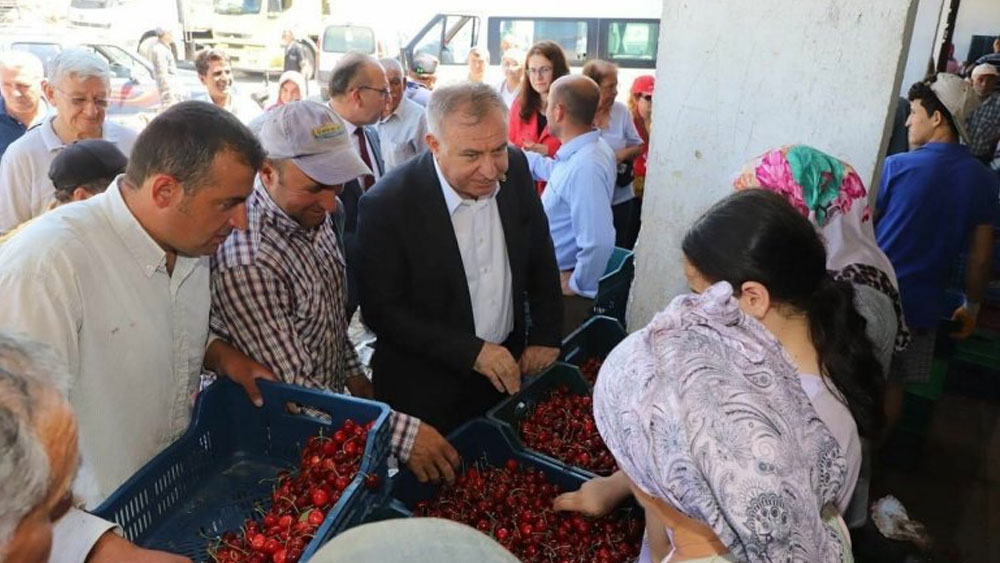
402 133
484 256
89 281
25 188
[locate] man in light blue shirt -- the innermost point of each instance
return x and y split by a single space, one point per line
403 126
577 199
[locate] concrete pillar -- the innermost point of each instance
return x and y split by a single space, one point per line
736 78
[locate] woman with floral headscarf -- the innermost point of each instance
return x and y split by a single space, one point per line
832 196
735 414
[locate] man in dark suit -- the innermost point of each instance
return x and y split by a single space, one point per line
359 92
452 243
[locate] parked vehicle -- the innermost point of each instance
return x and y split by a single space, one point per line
248 30
584 31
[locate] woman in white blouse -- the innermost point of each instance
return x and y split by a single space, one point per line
618 130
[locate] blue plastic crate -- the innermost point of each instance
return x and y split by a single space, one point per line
211 479
389 511
595 338
614 286
483 441
509 413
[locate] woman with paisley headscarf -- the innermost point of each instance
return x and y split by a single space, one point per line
735 414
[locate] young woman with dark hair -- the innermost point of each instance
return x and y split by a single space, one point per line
776 263
528 128
762 269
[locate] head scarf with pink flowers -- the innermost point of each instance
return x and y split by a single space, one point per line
831 194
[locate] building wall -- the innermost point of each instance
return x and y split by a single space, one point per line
975 17
922 44
737 78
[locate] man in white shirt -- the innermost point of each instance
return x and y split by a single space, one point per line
403 125
79 85
118 285
215 72
358 94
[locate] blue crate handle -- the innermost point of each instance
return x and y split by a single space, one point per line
276 395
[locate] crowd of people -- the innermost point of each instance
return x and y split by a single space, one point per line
468 225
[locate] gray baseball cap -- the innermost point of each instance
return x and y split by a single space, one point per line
312 136
958 98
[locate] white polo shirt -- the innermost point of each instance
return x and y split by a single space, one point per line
89 281
25 188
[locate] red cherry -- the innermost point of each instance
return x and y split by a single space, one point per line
271 546
320 498
279 556
316 517
372 482
350 448
342 483
285 521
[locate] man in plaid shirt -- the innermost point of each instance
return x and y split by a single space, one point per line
279 287
984 123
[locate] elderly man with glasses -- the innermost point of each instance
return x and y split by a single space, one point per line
359 91
78 86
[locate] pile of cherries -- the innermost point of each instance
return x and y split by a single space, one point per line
300 500
590 367
513 504
562 426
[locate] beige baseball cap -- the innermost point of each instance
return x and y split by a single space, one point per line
312 136
958 97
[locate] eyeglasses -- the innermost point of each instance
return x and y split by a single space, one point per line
647 97
385 93
540 70
80 101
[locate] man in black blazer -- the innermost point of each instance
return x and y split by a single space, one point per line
359 91
452 244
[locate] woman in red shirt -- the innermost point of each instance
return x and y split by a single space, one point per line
528 127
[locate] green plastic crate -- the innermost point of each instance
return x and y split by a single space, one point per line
615 284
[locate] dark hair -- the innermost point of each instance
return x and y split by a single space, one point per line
206 56
63 195
755 235
183 142
531 101
930 102
348 68
580 96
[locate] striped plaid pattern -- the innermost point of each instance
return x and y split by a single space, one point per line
984 128
279 295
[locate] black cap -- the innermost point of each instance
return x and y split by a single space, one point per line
85 161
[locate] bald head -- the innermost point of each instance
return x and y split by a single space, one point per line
578 96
